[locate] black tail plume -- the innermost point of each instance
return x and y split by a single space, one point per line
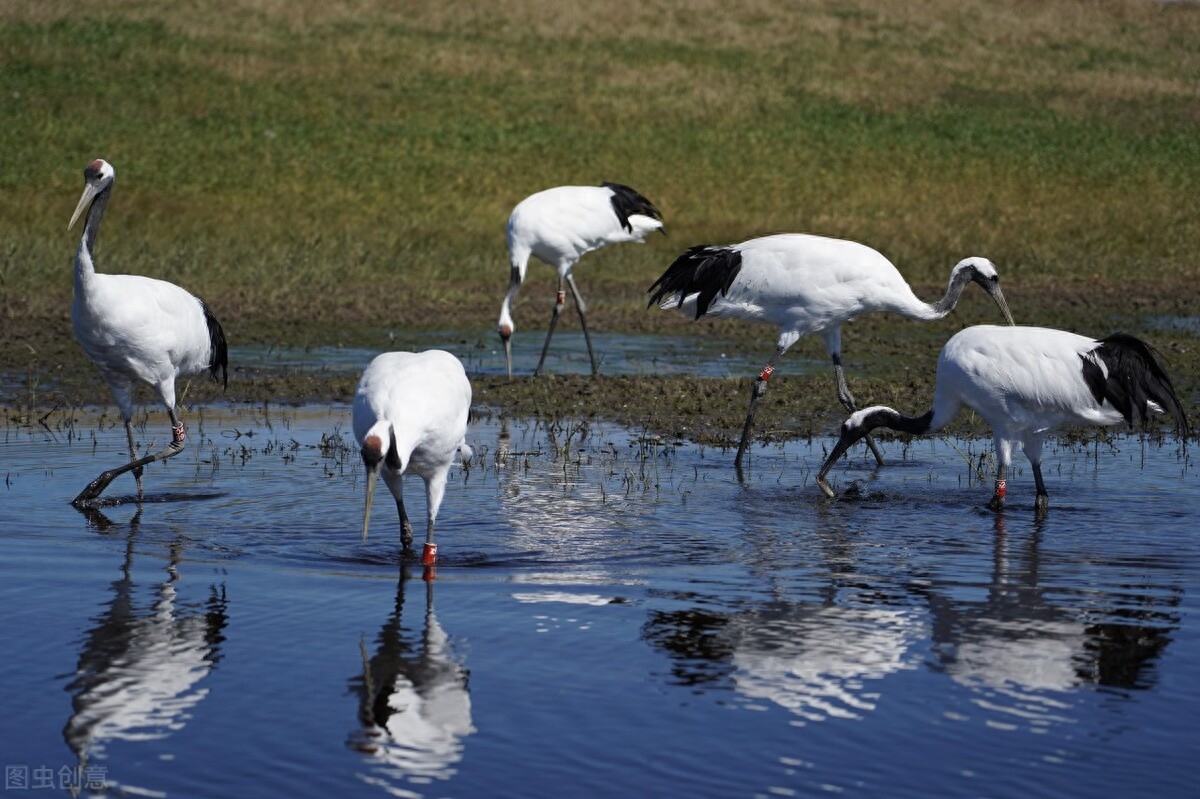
220 349
704 269
626 202
1136 376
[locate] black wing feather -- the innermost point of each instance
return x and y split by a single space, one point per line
704 269
220 348
1136 376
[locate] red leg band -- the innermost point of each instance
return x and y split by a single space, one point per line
766 373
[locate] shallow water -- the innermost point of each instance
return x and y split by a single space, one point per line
616 353
611 617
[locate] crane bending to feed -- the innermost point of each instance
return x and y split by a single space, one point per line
805 284
561 225
410 417
137 330
1024 382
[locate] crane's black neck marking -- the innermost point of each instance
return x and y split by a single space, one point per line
1136 376
95 214
393 456
371 457
219 347
894 420
880 417
704 269
626 202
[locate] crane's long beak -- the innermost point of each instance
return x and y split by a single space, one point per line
372 478
998 296
89 194
844 443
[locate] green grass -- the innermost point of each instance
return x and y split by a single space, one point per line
347 164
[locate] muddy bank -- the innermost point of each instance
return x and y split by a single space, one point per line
888 361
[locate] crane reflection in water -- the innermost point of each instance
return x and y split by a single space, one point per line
1019 650
143 663
1011 639
414 704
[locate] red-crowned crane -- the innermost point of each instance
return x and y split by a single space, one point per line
410 417
1024 382
137 330
805 284
561 225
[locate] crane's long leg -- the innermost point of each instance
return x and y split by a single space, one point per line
756 392
406 531
133 456
435 489
1003 456
1033 451
997 501
1042 503
559 299
123 394
582 308
847 400
95 488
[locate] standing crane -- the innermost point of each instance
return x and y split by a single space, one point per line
805 284
137 330
559 226
1024 382
410 417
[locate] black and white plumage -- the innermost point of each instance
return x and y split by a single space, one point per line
1025 382
805 284
414 694
410 417
559 226
137 330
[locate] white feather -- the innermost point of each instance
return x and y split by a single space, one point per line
421 401
558 226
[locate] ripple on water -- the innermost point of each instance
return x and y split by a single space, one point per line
590 608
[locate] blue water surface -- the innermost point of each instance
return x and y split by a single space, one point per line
611 616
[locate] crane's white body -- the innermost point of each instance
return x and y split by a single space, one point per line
805 284
137 330
412 407
559 226
1025 382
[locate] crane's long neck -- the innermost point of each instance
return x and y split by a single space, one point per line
380 445
864 421
516 276
894 420
85 266
958 281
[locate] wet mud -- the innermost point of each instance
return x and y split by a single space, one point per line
888 360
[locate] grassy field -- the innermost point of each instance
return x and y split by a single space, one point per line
329 172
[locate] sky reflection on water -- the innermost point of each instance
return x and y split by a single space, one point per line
611 613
